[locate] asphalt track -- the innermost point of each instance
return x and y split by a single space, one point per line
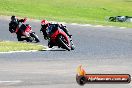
98 49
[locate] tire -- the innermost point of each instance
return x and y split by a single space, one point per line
81 80
19 38
29 39
72 45
35 37
63 44
113 19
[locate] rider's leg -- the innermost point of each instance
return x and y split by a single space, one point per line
50 45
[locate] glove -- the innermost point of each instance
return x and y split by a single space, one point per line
70 36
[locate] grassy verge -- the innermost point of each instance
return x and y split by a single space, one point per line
79 11
6 46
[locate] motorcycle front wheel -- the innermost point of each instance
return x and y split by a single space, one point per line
63 42
33 35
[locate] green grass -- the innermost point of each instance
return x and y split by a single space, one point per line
80 11
6 46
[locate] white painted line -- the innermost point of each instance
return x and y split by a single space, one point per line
74 24
122 27
82 24
24 51
86 25
62 22
14 81
19 51
98 26
110 26
47 49
10 82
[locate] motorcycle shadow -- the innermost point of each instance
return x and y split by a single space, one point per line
54 50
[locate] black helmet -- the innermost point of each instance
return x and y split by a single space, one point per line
13 19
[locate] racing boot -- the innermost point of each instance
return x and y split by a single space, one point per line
50 45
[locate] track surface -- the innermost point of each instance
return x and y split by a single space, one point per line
98 49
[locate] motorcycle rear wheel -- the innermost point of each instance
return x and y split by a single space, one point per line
19 38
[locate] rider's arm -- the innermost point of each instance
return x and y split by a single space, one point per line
21 20
44 33
11 28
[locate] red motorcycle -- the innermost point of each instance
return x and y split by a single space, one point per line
57 37
24 32
30 35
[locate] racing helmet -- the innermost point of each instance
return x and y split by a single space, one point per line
44 23
13 19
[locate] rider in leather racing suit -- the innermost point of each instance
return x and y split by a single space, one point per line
45 25
14 26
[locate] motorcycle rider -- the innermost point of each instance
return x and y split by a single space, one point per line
14 24
14 27
46 25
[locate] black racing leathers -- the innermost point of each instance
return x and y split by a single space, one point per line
49 26
13 25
